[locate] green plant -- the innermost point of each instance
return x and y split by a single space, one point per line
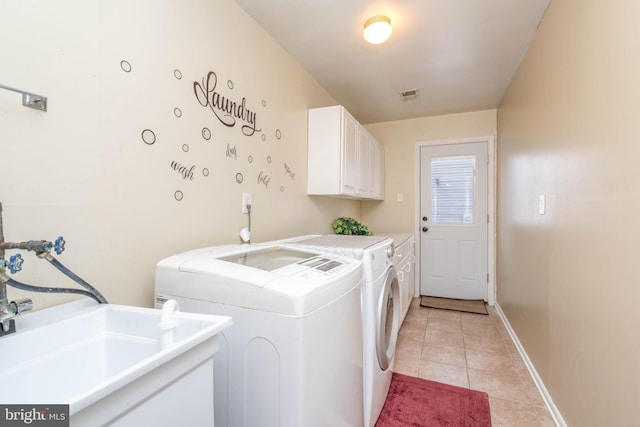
350 226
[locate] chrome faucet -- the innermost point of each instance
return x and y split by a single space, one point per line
9 310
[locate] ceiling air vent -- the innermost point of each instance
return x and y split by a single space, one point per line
409 94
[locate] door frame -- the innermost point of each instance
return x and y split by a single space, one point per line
491 208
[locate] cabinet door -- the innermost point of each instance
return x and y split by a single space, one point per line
376 170
324 154
364 164
406 274
410 280
350 169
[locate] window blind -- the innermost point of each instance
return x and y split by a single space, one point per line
452 190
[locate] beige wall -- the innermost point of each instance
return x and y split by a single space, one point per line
400 139
82 170
569 128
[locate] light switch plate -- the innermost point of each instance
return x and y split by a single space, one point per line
542 206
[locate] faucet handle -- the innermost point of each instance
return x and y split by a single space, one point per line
59 245
15 263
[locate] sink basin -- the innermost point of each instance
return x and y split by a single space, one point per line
106 361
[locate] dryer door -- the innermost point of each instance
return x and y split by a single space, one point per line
388 319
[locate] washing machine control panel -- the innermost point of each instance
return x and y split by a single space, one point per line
321 263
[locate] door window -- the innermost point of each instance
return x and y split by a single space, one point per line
452 190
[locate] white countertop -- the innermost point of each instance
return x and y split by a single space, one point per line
398 238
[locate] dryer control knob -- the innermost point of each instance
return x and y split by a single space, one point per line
390 251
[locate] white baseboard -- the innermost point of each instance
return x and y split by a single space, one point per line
546 397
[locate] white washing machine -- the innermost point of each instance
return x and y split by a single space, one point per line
381 309
293 356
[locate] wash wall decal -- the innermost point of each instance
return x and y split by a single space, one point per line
230 112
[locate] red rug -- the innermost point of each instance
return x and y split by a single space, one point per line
415 402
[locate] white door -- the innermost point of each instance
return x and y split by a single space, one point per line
454 221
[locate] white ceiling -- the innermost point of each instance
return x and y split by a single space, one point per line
459 54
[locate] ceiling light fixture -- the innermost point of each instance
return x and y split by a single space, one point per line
377 29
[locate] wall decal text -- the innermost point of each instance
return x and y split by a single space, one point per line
225 110
222 98
231 152
187 173
264 179
288 171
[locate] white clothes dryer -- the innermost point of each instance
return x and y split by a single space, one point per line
381 309
293 356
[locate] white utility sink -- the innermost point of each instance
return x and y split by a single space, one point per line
107 362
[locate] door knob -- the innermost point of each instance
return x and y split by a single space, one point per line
424 218
425 229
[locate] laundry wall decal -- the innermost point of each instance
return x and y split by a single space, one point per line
191 159
226 110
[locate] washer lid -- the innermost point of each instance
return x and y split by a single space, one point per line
295 288
269 259
260 265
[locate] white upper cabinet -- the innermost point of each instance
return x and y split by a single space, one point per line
344 160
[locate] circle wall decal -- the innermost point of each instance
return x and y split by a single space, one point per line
126 67
148 137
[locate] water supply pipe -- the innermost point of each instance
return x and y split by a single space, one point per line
33 288
95 294
9 310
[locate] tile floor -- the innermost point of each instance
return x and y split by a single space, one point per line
473 351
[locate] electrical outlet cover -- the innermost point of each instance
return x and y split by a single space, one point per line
246 200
